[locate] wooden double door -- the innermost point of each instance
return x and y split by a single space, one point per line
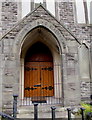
38 73
38 79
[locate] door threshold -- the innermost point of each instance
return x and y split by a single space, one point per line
39 99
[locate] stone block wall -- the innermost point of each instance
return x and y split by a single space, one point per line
10 14
85 91
67 15
11 59
72 83
0 21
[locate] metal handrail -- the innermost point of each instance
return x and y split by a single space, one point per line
8 117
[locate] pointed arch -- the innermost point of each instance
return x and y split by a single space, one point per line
54 42
59 39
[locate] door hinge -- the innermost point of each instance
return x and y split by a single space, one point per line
28 68
49 68
28 88
48 88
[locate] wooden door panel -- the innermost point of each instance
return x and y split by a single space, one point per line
32 80
26 83
47 79
39 79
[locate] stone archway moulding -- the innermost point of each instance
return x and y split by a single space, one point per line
19 41
60 40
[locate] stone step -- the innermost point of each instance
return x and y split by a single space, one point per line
44 111
46 108
44 119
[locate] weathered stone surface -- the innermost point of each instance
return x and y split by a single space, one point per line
74 87
85 90
10 14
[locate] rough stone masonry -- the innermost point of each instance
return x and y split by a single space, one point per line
74 40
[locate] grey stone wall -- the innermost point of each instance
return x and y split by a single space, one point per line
10 14
71 80
67 13
74 88
91 59
67 16
11 60
0 21
1 72
85 91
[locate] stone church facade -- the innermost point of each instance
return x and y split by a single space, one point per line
67 62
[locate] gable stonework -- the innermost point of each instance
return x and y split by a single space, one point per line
75 88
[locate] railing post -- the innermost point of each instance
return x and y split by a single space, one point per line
35 111
53 112
82 113
69 113
15 106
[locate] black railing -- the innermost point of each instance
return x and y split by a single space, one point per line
6 116
35 111
53 112
15 106
69 113
82 113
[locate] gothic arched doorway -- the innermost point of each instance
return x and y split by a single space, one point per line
41 61
38 74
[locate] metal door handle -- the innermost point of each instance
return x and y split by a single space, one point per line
37 85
